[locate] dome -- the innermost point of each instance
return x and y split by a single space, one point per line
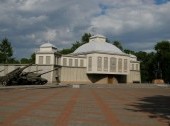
98 43
132 56
46 45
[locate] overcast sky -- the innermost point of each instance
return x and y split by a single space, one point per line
138 24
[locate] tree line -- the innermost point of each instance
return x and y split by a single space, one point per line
152 64
6 54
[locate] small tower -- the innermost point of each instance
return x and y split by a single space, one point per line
47 54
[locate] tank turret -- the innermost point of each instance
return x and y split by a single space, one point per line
34 78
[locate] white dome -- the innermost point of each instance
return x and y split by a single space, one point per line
98 44
132 56
46 45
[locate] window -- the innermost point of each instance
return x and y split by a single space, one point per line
81 63
99 63
40 59
120 65
76 62
70 62
105 63
48 58
113 64
90 64
125 65
137 67
64 61
132 66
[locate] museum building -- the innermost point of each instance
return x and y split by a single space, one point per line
94 62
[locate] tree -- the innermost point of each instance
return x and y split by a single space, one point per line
118 45
129 51
6 50
75 46
163 58
85 38
65 51
28 60
24 61
32 58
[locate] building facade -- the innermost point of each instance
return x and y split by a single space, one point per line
94 62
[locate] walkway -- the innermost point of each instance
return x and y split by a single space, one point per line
85 106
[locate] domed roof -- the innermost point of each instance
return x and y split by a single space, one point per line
46 45
98 44
132 56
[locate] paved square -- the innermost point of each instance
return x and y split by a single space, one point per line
98 105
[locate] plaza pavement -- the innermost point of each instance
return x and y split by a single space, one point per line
85 105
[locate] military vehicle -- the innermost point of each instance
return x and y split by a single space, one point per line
12 77
33 78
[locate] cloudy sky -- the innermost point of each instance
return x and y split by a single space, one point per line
138 24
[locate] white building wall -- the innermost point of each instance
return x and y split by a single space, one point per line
78 75
94 63
73 75
134 77
52 58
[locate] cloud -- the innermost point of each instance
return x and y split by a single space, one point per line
30 23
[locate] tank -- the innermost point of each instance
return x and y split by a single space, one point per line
12 77
33 78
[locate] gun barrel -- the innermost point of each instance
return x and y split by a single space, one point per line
47 72
34 71
25 67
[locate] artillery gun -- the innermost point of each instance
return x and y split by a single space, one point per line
34 78
12 77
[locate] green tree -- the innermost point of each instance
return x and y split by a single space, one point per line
32 58
6 50
13 61
129 51
65 51
84 39
163 58
25 61
75 46
28 60
118 45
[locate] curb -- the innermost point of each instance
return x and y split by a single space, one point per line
35 86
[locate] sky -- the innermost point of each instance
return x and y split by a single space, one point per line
137 24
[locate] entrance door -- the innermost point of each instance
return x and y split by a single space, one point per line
110 79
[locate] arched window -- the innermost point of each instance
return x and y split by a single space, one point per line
133 67
99 63
125 65
137 67
120 65
64 61
90 64
48 59
113 64
40 59
70 62
81 63
76 62
105 63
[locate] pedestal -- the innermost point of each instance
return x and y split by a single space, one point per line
158 81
